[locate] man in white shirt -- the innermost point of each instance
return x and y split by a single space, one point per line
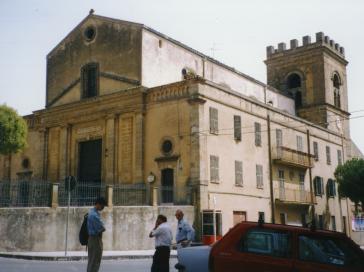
163 239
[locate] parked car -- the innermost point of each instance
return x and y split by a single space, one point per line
255 247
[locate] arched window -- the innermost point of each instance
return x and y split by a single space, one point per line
294 87
293 81
336 83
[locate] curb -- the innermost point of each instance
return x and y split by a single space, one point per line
75 258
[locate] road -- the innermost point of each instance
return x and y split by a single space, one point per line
132 265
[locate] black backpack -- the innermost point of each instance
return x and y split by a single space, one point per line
83 236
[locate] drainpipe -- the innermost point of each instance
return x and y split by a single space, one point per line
310 176
270 172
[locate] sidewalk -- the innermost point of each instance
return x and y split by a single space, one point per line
82 255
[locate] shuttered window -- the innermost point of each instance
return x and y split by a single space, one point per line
214 121
339 157
319 186
259 175
214 168
238 173
258 132
331 188
315 151
237 127
321 222
299 143
89 76
333 223
328 155
279 138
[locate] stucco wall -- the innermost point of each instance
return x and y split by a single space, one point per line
249 198
43 229
163 61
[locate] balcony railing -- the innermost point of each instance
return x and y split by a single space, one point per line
288 156
171 195
293 196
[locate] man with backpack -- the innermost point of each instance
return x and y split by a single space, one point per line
95 228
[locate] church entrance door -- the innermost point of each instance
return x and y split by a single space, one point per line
89 166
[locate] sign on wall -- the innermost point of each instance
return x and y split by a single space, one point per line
358 224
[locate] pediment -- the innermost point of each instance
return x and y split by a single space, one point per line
89 20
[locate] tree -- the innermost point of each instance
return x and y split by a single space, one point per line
350 178
13 131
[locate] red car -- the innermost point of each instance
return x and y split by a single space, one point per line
254 247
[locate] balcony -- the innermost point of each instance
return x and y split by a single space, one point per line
291 157
292 196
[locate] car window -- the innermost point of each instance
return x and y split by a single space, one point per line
267 242
329 251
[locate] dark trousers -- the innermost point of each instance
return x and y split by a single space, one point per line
161 259
94 253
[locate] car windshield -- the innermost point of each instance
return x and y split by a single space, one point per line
328 250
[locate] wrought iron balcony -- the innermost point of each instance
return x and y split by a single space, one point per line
291 157
292 196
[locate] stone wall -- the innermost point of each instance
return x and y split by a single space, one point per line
358 237
43 229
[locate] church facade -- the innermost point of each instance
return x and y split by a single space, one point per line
126 104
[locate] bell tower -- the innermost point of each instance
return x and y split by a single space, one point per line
314 75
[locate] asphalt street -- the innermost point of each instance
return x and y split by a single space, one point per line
132 265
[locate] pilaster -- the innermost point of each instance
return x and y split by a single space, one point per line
109 149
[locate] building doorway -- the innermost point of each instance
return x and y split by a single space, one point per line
238 216
167 184
89 163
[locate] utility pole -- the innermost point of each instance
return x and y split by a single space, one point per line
310 176
270 172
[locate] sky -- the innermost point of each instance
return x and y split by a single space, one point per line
235 32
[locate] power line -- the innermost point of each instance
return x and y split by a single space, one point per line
305 125
202 132
291 121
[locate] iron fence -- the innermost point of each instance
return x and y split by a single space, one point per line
45 194
84 194
25 193
130 194
175 195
